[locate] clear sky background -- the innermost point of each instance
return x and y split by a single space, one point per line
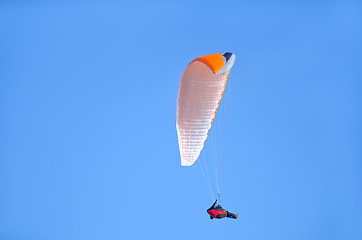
88 143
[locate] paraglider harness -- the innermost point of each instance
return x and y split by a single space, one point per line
216 211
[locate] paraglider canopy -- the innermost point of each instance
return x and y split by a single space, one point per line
201 87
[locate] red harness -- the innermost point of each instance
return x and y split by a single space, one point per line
216 213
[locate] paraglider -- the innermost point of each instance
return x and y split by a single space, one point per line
202 85
216 211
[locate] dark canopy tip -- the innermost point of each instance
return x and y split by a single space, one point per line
227 55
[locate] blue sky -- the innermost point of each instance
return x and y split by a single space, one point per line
88 144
